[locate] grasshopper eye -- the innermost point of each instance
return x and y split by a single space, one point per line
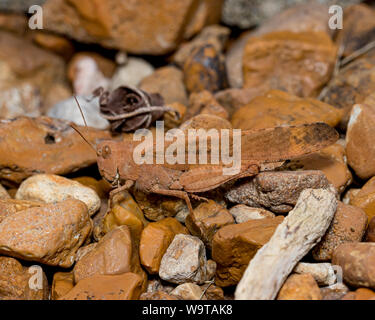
106 152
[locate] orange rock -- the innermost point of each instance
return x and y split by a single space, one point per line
158 30
127 286
357 260
300 63
360 294
205 69
63 150
213 292
13 22
15 281
332 161
360 20
348 225
167 81
62 283
115 253
204 103
365 198
49 234
300 287
155 240
207 219
370 235
352 85
101 187
158 295
11 206
360 148
54 43
4 195
170 119
235 245
276 108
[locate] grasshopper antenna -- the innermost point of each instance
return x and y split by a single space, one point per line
84 120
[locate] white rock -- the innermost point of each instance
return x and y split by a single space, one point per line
131 73
3 193
242 213
68 110
300 231
184 261
188 291
323 273
51 188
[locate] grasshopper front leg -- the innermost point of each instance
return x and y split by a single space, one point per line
128 184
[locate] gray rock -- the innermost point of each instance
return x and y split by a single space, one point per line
68 110
277 191
19 5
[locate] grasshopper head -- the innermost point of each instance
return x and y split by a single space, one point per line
115 161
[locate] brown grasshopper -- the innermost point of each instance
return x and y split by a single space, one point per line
116 164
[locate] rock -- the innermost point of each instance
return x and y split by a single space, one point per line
206 220
188 291
300 287
62 149
349 195
62 283
3 193
205 69
292 240
51 234
360 20
126 286
359 143
215 34
276 108
69 110
352 85
184 261
101 187
167 81
331 161
360 294
170 119
158 30
365 198
85 250
235 245
370 235
155 285
203 102
120 216
105 66
348 225
158 295
13 22
156 208
50 188
9 207
155 240
205 121
334 292
19 5
20 98
213 292
243 213
299 63
25 62
244 14
115 253
357 263
323 273
276 191
57 44
131 73
87 77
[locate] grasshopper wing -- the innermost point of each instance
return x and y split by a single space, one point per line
283 143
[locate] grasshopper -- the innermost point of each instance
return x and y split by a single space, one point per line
117 166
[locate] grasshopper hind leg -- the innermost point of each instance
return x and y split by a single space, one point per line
175 193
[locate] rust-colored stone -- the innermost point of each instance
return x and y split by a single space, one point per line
370 235
348 225
127 286
11 206
360 294
54 43
300 63
300 287
207 219
142 27
62 149
276 108
365 198
235 245
357 261
62 283
155 240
